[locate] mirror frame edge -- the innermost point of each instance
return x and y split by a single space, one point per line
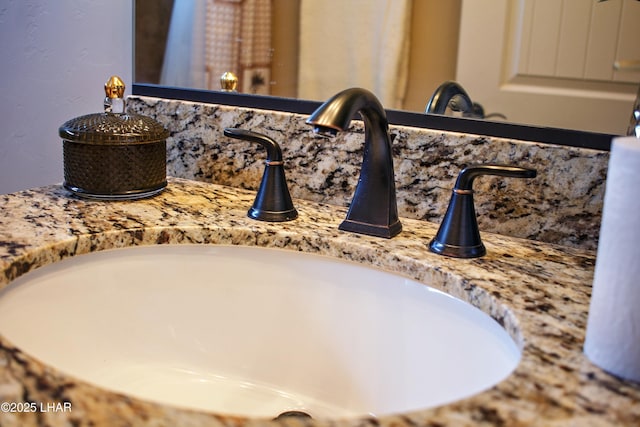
547 135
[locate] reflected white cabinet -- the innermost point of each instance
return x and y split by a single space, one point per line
550 62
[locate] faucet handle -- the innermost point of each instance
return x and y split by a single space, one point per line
273 201
458 235
468 174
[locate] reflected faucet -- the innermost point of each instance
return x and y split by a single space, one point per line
373 210
451 94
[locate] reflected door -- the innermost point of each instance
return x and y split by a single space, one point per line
555 65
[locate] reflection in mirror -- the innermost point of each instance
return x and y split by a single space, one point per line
551 63
316 48
431 56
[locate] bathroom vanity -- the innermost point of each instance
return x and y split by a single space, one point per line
535 280
537 291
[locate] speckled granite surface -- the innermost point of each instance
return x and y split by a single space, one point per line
539 292
562 205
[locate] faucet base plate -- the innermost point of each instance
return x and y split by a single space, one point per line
387 231
271 216
457 251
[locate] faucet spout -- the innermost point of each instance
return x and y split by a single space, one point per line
373 210
449 94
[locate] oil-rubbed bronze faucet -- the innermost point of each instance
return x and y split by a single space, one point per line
373 210
449 94
458 235
273 201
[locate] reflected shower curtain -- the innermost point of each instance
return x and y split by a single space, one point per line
210 37
184 56
363 43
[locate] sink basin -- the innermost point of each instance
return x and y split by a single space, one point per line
254 332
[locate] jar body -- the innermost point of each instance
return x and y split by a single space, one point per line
115 171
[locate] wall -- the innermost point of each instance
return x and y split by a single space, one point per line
284 37
152 19
435 25
56 58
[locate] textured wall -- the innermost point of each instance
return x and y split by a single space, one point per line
56 56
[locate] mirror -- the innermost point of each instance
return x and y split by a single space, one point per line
153 18
167 31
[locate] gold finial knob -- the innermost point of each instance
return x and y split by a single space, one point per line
228 82
114 87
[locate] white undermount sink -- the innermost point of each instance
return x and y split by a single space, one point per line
254 332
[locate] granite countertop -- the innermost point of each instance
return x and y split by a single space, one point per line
539 292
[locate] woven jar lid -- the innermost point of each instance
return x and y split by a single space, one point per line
113 129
